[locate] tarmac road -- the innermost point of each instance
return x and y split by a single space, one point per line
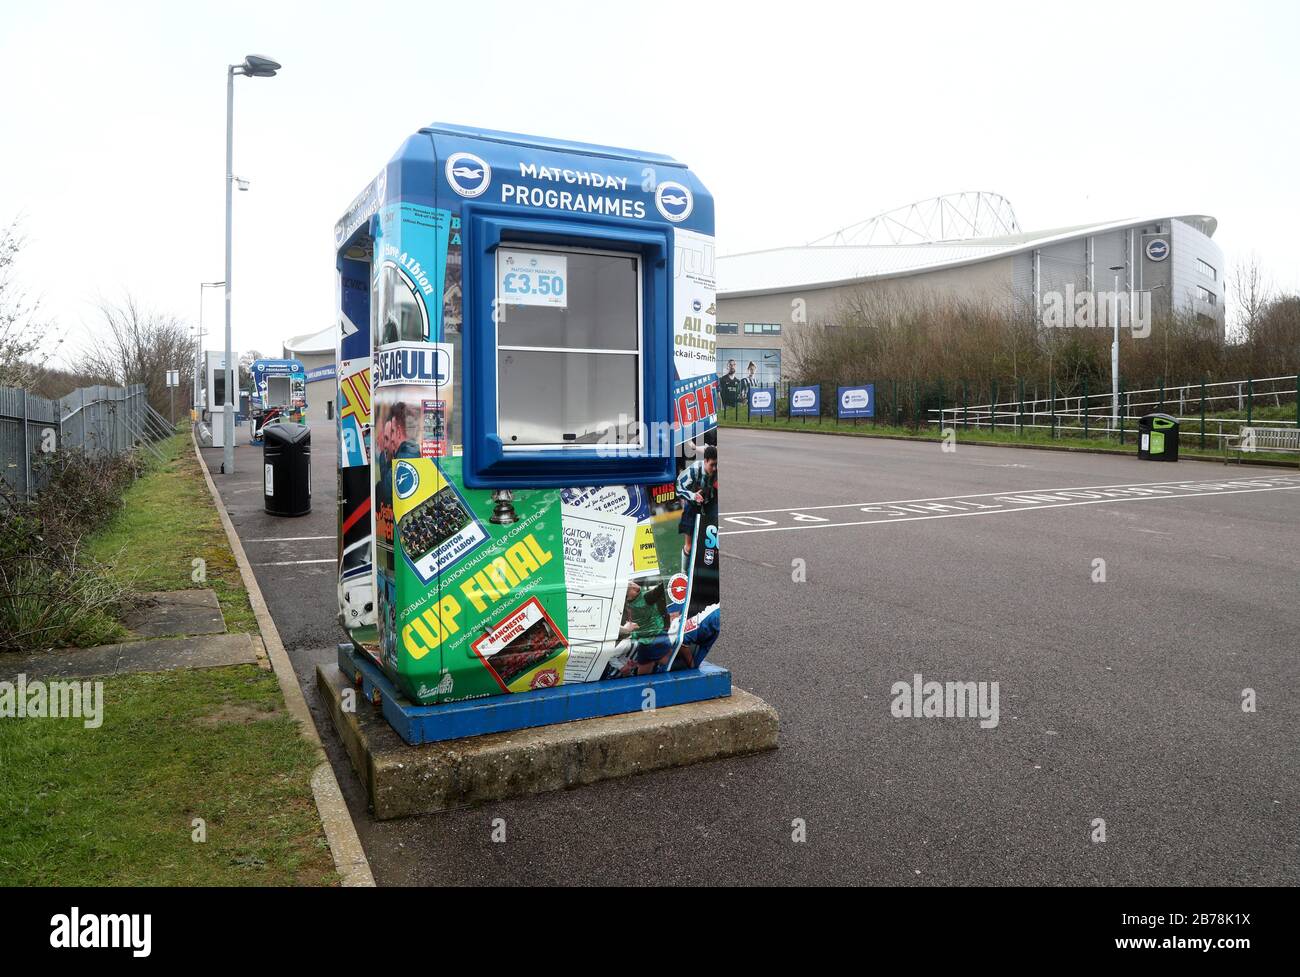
1118 700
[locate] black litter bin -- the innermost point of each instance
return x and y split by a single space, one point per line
1158 437
286 467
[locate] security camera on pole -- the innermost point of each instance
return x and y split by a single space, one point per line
254 66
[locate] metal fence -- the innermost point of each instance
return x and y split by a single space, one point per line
98 420
1210 414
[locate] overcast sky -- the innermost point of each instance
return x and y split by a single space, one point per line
799 117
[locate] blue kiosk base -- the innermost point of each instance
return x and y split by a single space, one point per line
544 707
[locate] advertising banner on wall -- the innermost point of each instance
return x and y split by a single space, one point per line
806 401
857 401
762 402
742 367
327 372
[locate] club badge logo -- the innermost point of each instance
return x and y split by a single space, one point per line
547 678
405 479
469 175
674 201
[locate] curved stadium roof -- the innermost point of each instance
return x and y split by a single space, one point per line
824 266
313 342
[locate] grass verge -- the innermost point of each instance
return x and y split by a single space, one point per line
168 523
117 805
178 752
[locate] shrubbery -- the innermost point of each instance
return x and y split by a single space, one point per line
51 594
915 335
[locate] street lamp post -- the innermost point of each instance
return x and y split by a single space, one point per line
198 347
254 66
1114 350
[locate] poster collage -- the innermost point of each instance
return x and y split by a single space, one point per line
459 593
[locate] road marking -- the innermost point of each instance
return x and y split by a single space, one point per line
996 503
288 539
295 563
1237 482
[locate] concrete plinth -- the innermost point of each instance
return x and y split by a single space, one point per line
402 780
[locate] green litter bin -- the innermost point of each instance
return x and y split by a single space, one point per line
1158 437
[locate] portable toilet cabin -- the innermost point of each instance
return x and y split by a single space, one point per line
527 414
216 374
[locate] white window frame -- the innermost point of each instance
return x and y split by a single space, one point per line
631 447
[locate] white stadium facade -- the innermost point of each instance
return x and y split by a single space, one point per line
968 246
316 351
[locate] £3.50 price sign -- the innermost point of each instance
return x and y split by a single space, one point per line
532 278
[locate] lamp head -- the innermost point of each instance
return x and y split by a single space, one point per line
259 66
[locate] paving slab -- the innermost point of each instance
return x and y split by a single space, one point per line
403 780
165 613
150 655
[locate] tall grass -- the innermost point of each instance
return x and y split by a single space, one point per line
51 593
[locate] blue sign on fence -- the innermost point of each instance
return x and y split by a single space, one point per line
762 401
858 401
805 401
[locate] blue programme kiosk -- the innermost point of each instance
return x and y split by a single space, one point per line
279 394
527 412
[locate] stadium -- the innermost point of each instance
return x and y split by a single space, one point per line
969 246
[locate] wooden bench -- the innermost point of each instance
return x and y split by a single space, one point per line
1253 439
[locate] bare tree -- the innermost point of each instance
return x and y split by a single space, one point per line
22 332
133 344
1276 337
1253 294
246 361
